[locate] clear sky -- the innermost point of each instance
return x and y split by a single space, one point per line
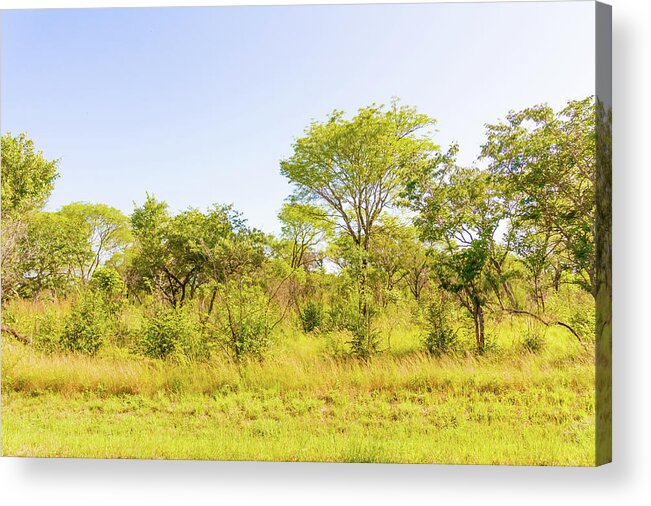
198 105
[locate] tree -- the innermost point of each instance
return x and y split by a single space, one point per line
389 250
175 255
27 182
545 163
107 232
27 176
304 226
355 168
50 252
459 211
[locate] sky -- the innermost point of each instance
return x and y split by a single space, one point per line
199 105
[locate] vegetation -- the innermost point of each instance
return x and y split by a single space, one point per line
411 310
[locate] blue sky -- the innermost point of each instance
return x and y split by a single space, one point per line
198 105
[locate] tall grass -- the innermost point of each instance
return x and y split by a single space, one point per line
518 404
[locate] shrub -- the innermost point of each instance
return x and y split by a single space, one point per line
244 319
107 282
365 339
85 326
582 320
311 316
441 338
346 316
533 340
48 330
576 308
172 332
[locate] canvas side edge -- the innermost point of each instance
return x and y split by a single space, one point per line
603 233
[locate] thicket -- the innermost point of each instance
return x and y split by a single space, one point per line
380 220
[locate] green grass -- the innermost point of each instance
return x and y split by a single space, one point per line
303 404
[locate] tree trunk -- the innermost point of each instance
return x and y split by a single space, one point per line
478 317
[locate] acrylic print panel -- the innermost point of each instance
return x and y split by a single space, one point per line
360 233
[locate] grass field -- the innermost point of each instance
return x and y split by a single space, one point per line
302 404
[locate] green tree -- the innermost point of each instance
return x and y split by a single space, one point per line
545 164
176 255
50 252
304 227
27 182
355 168
27 176
107 233
459 211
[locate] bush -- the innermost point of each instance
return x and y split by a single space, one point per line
576 308
172 332
582 320
365 339
339 315
48 330
533 340
107 282
345 316
441 338
244 319
85 326
311 316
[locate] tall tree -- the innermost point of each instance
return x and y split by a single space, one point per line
459 212
27 182
107 233
545 162
354 168
304 226
50 252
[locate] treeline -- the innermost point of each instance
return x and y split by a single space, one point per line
380 216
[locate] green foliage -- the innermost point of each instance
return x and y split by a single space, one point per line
27 182
105 231
244 319
27 176
304 227
577 309
533 340
365 340
177 255
53 248
355 167
545 165
85 327
441 337
172 333
108 281
582 320
312 316
344 316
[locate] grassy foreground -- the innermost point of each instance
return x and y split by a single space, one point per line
509 407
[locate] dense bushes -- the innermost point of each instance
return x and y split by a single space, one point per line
85 326
243 320
440 336
311 316
172 333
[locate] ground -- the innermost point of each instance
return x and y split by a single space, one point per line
509 406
